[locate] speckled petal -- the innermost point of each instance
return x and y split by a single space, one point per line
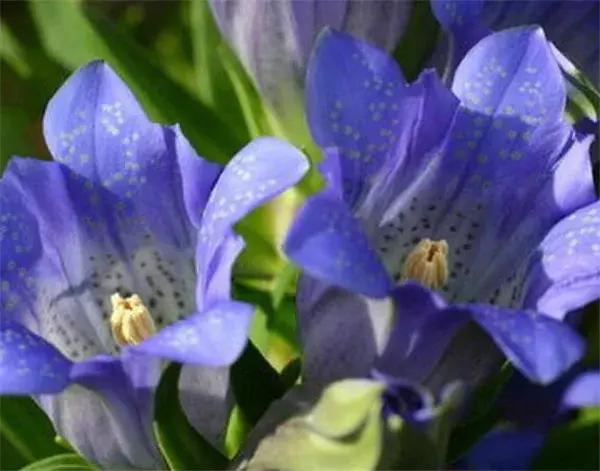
126 168
259 172
352 94
539 346
29 364
84 260
571 25
462 20
327 241
215 337
565 273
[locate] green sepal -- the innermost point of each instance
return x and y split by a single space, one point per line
344 429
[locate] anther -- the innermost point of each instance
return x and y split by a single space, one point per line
130 321
427 263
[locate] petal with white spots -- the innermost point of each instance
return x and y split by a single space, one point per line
564 274
258 173
542 348
327 241
29 364
215 337
352 99
126 168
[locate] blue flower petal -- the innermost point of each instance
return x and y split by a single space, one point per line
260 171
107 415
352 92
572 26
129 168
584 391
565 273
504 450
423 330
341 333
539 346
214 337
207 400
452 13
512 73
327 241
29 364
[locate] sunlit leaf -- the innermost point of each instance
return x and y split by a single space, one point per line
350 437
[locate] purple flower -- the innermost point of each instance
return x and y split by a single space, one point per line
572 25
459 226
274 39
118 255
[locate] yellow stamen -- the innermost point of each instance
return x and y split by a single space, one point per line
427 263
131 322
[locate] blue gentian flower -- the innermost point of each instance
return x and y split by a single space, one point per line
118 254
471 208
274 39
572 25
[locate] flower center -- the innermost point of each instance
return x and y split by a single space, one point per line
130 321
427 263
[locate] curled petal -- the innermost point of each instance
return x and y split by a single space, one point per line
565 273
327 241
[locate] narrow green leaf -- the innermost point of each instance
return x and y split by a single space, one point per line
255 384
575 445
63 462
481 416
419 41
181 446
26 430
75 25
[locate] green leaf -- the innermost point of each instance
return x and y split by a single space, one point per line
302 443
27 434
574 445
344 405
418 42
482 414
63 462
181 446
75 36
409 447
255 384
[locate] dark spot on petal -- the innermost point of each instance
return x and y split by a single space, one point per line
152 303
